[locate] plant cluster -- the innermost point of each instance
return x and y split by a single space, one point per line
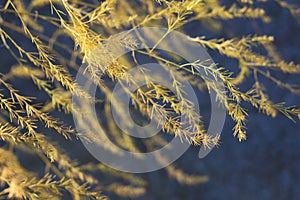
87 25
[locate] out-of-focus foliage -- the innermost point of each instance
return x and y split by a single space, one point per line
88 24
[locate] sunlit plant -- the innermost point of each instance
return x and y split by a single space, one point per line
51 65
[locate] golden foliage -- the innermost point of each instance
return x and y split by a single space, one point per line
90 26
